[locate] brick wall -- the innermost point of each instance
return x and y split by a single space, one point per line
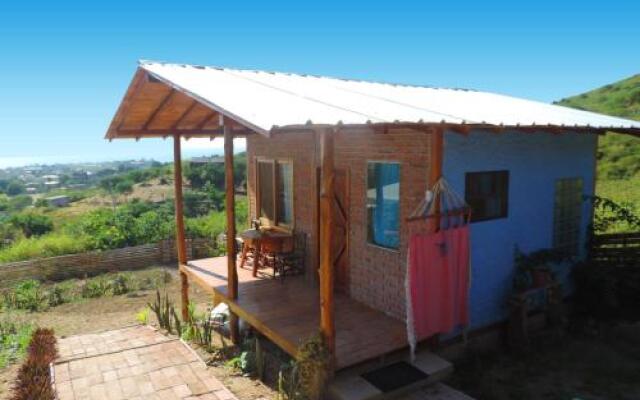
377 274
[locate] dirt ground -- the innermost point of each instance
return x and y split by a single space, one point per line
558 366
106 313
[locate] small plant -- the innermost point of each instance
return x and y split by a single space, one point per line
143 316
162 309
28 295
61 293
14 339
120 284
34 379
96 287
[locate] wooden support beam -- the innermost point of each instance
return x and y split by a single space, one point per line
437 150
327 320
181 243
232 281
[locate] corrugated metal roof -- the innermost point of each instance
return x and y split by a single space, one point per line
264 100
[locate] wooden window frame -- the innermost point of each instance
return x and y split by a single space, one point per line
275 223
504 212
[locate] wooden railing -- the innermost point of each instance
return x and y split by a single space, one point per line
97 262
616 249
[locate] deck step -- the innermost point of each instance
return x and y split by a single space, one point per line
427 369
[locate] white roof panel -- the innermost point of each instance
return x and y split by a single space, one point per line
264 100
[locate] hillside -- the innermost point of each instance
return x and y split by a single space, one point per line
618 155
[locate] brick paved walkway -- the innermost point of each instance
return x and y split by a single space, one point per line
133 363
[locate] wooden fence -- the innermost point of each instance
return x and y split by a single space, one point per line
617 249
97 262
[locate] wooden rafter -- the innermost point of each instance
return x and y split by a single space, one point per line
160 107
138 133
184 114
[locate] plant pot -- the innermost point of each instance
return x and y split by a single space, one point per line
540 278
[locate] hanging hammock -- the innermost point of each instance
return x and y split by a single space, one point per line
438 274
442 203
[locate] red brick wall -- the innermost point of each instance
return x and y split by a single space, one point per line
376 274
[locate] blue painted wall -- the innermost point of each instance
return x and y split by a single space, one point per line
534 161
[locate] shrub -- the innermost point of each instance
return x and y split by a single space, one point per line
34 379
49 245
32 224
121 284
96 287
61 293
27 295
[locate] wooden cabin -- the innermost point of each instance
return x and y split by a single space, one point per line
344 163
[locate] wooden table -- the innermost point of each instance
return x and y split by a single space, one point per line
253 238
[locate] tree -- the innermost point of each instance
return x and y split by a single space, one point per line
124 187
32 224
20 202
15 188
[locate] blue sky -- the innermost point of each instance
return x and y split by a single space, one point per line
64 66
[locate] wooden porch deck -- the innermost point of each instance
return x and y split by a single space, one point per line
289 312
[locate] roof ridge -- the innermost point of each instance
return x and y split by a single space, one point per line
297 74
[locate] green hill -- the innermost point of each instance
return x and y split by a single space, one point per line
618 155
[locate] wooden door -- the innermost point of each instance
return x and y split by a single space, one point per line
340 241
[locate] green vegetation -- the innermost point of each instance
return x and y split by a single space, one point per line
15 335
618 155
31 295
44 231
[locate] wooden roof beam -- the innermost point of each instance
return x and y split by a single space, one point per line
184 115
161 106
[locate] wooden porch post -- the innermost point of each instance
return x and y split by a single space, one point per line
180 238
437 149
232 273
327 326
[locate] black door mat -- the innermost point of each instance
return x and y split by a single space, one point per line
394 376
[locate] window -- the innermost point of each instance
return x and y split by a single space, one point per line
383 204
285 193
567 215
275 191
266 203
487 193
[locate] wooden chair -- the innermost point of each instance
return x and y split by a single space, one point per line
269 248
292 262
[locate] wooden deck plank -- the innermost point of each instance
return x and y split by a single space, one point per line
288 312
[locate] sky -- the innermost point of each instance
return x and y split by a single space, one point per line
64 65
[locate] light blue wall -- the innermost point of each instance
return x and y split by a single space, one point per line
534 161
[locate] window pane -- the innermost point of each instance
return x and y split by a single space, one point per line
383 204
285 193
567 215
265 186
487 193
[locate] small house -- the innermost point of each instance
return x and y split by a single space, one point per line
346 163
58 201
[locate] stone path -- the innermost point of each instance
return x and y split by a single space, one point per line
132 363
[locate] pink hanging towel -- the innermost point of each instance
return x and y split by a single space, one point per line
437 283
